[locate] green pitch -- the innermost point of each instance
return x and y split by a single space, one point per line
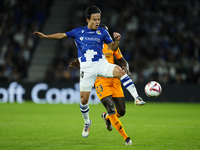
155 126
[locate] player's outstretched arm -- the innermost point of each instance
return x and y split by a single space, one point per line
114 45
50 36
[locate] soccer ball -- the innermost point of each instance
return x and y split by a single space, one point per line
153 89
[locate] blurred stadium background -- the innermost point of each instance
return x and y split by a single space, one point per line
160 41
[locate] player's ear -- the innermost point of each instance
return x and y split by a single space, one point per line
87 19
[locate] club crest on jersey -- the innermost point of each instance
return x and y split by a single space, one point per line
98 32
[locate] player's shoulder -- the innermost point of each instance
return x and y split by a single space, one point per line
79 30
101 29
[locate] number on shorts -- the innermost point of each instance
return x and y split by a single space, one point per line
99 89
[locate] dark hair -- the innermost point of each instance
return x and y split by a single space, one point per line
91 10
104 26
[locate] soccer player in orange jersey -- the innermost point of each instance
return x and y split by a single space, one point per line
110 93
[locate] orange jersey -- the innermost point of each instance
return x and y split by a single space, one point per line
109 86
110 53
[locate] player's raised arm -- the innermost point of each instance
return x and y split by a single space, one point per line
50 36
114 45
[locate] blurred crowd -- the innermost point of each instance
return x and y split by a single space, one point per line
18 20
160 39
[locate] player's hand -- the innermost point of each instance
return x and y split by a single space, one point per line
74 64
41 35
117 36
126 70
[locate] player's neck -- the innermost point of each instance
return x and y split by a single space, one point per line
91 28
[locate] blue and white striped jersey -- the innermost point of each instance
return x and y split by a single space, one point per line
90 42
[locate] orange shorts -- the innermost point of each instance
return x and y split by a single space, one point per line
108 86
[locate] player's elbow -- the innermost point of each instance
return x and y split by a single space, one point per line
115 49
62 35
112 46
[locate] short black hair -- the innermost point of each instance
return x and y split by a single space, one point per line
104 26
91 10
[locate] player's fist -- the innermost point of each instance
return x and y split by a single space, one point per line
41 35
74 64
117 36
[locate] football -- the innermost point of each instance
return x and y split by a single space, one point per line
153 89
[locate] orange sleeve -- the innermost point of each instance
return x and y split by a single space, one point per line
118 54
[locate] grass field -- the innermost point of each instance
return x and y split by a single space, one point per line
155 126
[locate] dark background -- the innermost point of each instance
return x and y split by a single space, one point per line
160 41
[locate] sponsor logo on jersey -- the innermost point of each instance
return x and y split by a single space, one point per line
92 39
98 32
81 38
